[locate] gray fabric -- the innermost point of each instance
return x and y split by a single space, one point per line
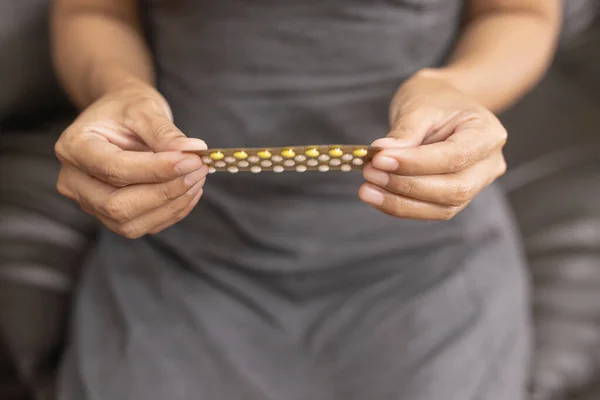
285 286
43 239
28 87
554 155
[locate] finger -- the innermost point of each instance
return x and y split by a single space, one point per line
404 207
164 216
179 217
408 130
128 203
96 156
159 132
447 189
473 142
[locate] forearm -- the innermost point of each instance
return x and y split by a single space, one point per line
503 50
98 47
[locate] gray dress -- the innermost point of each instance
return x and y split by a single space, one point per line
286 286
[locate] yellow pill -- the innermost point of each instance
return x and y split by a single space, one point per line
264 154
312 152
288 153
240 155
337 152
217 155
360 152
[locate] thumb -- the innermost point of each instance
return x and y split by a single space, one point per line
408 130
159 132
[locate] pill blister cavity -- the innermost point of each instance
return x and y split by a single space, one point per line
312 152
217 155
323 168
360 152
255 169
288 153
278 168
233 169
264 154
301 168
240 155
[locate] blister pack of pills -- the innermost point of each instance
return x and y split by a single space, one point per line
321 158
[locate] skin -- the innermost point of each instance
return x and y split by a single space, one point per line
122 158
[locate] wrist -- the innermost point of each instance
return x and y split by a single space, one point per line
105 81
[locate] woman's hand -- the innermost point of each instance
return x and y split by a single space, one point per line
442 150
122 162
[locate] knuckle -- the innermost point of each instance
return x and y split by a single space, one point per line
449 213
460 160
463 192
113 173
173 208
131 230
165 130
502 167
404 185
117 210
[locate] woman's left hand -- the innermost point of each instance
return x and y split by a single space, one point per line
442 150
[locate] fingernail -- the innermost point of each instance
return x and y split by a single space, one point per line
385 163
188 165
194 177
376 176
190 144
372 196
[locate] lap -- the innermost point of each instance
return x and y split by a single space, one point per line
149 326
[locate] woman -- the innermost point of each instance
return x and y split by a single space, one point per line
286 286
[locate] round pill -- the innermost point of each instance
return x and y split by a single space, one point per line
264 154
346 167
217 155
289 163
240 155
233 169
243 164
360 152
288 153
278 168
323 168
255 169
335 162
220 164
229 159
323 157
266 163
300 158
337 152
276 158
347 157
253 159
301 168
211 170
357 161
312 162
312 152
206 160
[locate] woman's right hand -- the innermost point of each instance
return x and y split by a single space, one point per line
122 161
